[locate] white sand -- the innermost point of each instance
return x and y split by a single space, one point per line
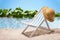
15 34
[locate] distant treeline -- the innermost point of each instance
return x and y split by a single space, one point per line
20 13
57 14
17 13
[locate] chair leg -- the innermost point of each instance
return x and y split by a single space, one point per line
25 29
47 24
33 32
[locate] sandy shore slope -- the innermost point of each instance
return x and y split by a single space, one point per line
15 34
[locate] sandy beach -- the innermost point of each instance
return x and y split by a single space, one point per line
15 34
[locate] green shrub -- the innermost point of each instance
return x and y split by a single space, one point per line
57 15
20 13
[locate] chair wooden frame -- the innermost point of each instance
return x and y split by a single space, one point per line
36 26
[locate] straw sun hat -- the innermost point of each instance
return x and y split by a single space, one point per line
49 13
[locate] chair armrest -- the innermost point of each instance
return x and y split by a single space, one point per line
28 23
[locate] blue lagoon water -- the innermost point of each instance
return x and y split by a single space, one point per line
16 23
12 22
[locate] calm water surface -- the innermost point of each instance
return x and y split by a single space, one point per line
16 23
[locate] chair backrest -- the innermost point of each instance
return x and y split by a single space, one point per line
38 18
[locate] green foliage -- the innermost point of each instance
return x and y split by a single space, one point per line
18 8
17 13
3 12
10 9
29 14
9 13
0 12
20 13
57 14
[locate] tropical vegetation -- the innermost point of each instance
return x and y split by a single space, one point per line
20 13
57 14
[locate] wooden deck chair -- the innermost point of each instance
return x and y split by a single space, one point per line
40 18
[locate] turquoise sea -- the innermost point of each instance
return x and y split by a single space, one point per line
16 23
